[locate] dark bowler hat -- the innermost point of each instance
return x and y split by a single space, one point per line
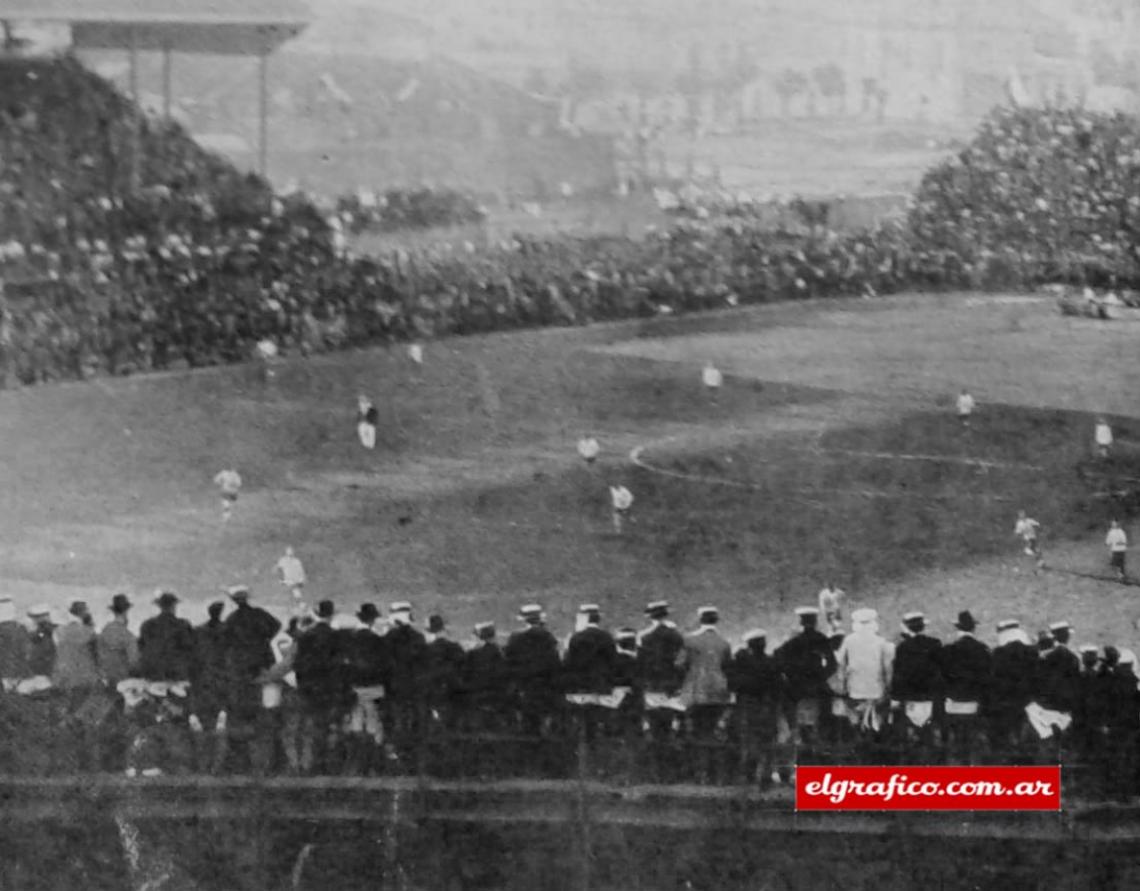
435 624
325 609
965 621
368 613
120 603
166 598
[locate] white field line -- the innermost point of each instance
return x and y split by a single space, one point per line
636 456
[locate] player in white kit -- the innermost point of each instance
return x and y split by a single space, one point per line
292 573
229 482
367 418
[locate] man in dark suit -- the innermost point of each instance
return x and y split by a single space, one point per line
443 668
485 683
369 668
757 682
807 660
534 669
249 631
1123 727
407 650
588 672
210 689
322 683
1058 686
967 667
166 643
626 715
1011 690
661 677
918 687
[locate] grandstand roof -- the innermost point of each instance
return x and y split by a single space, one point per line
223 27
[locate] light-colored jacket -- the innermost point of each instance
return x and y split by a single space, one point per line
118 652
705 658
75 665
866 661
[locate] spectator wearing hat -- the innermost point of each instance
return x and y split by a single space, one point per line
659 648
1057 688
442 675
118 648
588 672
1123 737
865 662
211 688
249 632
1090 719
756 681
534 668
486 682
13 647
407 650
918 688
41 644
166 643
76 660
967 666
369 670
706 660
322 684
1012 688
807 661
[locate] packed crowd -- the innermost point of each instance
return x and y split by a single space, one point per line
372 211
361 695
1038 195
125 247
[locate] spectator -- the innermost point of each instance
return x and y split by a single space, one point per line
118 649
13 647
756 682
166 643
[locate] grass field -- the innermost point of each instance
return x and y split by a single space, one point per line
475 500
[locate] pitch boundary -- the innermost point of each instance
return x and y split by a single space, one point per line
636 457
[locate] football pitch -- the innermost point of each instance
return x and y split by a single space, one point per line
832 452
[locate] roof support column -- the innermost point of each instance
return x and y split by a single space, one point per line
167 64
263 114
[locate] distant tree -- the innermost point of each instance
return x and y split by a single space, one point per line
789 84
832 85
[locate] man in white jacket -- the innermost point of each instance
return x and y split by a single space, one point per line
866 660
